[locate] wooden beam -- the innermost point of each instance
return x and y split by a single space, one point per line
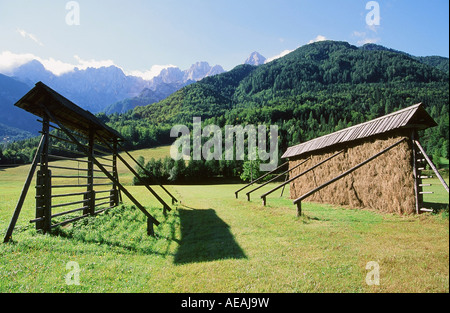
118 195
149 174
301 174
86 152
299 209
347 172
259 178
165 205
90 174
25 188
433 167
271 180
44 203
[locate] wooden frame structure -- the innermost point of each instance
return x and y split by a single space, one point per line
96 147
402 126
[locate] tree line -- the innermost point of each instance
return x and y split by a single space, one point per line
317 89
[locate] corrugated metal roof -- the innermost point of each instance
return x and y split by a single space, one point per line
414 116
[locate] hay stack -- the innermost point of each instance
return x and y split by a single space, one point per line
385 184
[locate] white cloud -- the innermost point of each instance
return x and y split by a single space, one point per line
318 38
154 71
57 67
367 40
363 39
25 34
358 34
282 54
84 64
9 61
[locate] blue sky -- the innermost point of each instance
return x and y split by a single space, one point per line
137 35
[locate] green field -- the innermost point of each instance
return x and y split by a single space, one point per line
212 242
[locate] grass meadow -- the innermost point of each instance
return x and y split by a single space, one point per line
212 242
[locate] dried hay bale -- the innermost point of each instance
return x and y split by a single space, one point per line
385 184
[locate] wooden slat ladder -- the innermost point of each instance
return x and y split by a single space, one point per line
420 159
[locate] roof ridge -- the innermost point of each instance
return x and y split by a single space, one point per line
348 134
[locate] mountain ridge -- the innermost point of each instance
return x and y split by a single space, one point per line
309 67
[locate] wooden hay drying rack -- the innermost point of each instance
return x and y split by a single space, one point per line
96 147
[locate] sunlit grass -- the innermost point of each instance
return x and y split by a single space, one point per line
212 242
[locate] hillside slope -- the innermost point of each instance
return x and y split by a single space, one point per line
15 123
314 90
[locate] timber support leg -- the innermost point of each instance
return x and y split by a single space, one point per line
299 209
150 230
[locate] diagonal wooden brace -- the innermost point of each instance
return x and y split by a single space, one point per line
99 165
165 205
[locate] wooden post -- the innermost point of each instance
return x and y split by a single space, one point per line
150 230
118 195
282 190
40 201
299 209
43 184
417 188
25 188
90 175
113 198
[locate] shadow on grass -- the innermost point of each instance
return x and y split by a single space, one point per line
436 207
205 237
123 228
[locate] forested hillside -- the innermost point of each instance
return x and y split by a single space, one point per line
317 89
314 90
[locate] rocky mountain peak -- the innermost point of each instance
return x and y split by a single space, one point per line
255 59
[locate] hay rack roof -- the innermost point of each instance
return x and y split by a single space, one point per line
71 115
413 117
